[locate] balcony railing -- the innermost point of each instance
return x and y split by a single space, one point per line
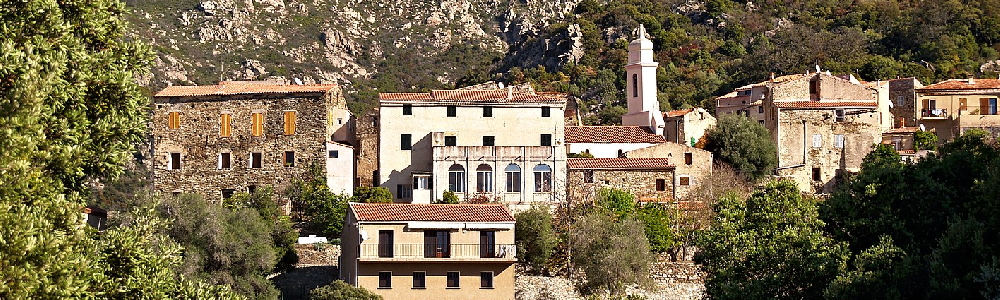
934 113
454 251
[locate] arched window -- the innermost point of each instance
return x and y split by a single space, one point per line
513 178
456 178
484 179
543 178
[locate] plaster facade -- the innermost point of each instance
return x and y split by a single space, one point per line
687 126
951 107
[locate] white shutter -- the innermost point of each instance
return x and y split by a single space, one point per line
838 141
817 141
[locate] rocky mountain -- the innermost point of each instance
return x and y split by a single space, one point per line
433 43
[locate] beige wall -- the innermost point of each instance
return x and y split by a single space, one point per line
498 159
511 125
958 117
697 171
436 280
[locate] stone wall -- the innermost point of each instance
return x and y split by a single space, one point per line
367 150
903 112
830 88
200 145
798 153
641 183
698 170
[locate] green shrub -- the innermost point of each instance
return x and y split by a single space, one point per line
340 290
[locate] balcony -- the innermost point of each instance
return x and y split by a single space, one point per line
934 114
438 253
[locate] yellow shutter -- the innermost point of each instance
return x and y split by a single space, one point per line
174 120
258 124
289 122
225 125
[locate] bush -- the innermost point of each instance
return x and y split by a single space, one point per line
376 194
612 253
340 290
322 210
449 197
535 237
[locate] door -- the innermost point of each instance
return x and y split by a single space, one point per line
385 243
437 243
487 244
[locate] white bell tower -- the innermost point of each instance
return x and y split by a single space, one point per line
643 108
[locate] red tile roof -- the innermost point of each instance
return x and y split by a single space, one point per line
432 212
612 134
242 88
677 113
476 96
823 104
620 163
903 130
963 84
907 151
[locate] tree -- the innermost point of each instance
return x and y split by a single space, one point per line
340 290
656 218
323 211
534 237
770 245
376 194
449 197
925 140
744 144
613 253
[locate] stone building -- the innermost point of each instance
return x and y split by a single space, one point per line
430 251
367 150
238 136
609 141
951 107
501 145
903 94
649 179
687 126
692 166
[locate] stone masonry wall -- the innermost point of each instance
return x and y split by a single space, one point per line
860 130
830 88
641 183
903 112
698 171
367 150
199 142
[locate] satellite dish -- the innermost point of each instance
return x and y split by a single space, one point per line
364 235
298 81
922 127
890 104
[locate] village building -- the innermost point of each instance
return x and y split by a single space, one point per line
951 107
609 141
687 126
692 166
823 125
903 140
236 137
491 145
649 179
903 94
429 251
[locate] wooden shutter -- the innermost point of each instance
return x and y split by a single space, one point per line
289 122
225 125
174 120
257 128
984 106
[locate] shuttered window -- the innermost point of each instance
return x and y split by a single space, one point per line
289 122
257 128
225 125
174 120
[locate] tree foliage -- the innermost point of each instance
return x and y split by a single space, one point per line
449 197
611 252
340 290
323 211
535 237
744 144
376 194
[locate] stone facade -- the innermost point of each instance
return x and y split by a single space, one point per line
641 183
189 124
691 163
367 152
902 93
687 126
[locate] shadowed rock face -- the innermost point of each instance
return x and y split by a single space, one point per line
323 41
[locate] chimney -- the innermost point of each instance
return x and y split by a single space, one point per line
972 80
772 76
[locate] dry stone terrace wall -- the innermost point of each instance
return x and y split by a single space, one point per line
199 142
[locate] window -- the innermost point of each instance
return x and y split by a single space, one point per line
487 111
817 140
988 106
257 128
226 125
760 109
487 244
340 121
546 139
225 161
174 120
635 85
661 185
761 122
452 111
251 189
437 244
543 178
486 280
814 86
839 115
546 112
488 140
422 182
685 180
289 158
513 178
334 153
484 179
900 100
451 140
456 178
838 141
419 280
385 280
453 279
404 142
407 110
289 122
385 243
688 158
227 193
963 104
816 174
403 191
174 161
588 176
256 160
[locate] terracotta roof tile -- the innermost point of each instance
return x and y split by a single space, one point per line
822 104
963 84
242 88
903 130
677 113
476 96
620 163
612 134
432 212
907 151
